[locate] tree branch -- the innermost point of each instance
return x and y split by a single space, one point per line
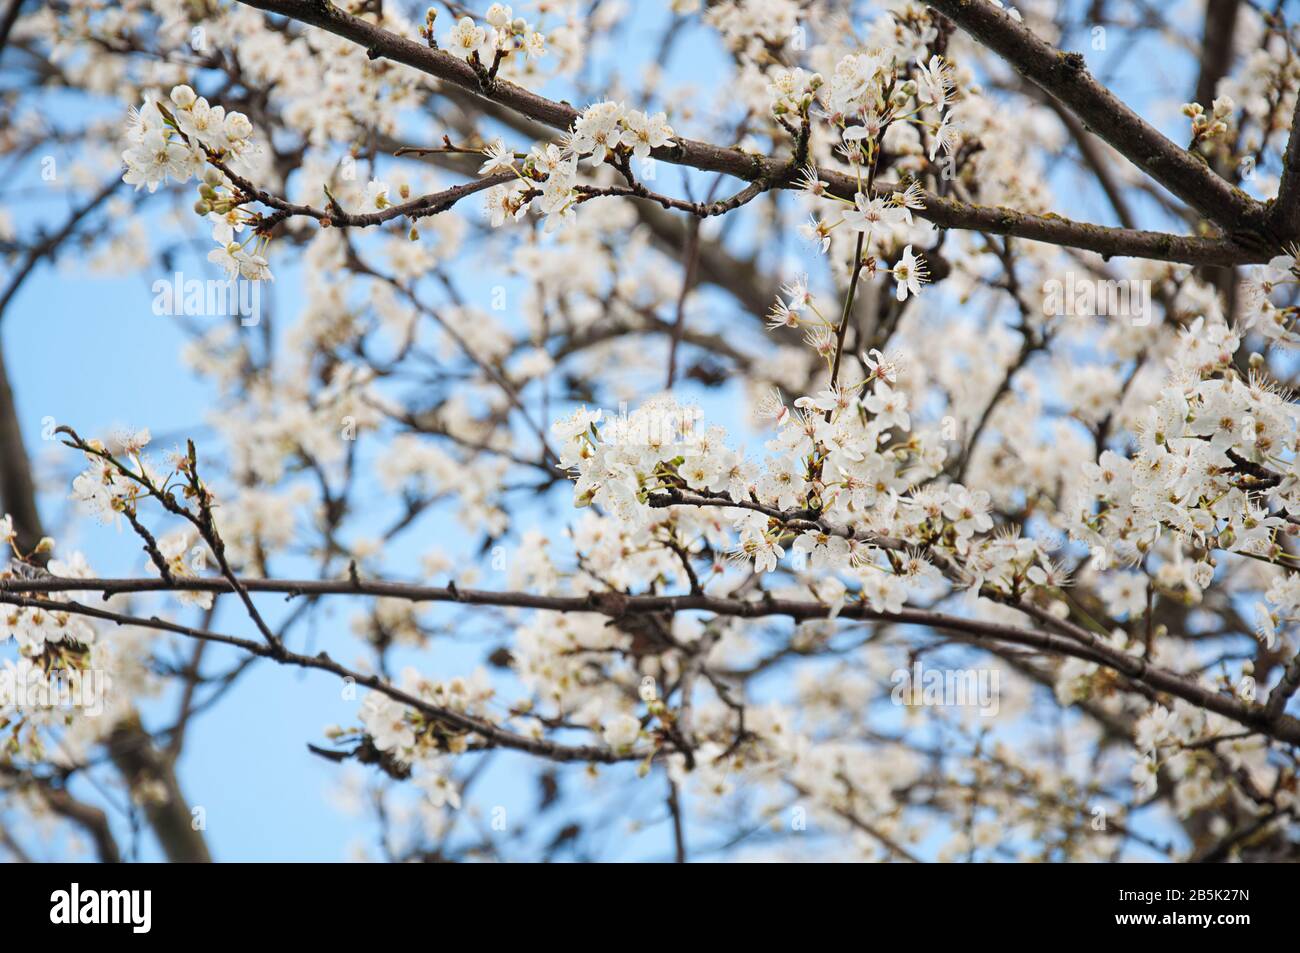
617 605
1285 214
945 213
134 765
1065 76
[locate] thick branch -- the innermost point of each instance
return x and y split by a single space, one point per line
146 769
1065 76
17 491
1286 207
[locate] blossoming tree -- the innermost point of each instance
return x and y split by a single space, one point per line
730 419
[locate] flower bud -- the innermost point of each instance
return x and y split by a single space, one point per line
183 96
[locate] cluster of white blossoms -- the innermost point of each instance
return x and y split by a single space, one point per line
34 628
752 29
116 483
547 177
847 487
175 142
1211 475
1208 127
66 688
504 34
1264 87
1168 740
167 141
1213 465
256 519
412 743
1267 282
868 92
103 489
869 96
